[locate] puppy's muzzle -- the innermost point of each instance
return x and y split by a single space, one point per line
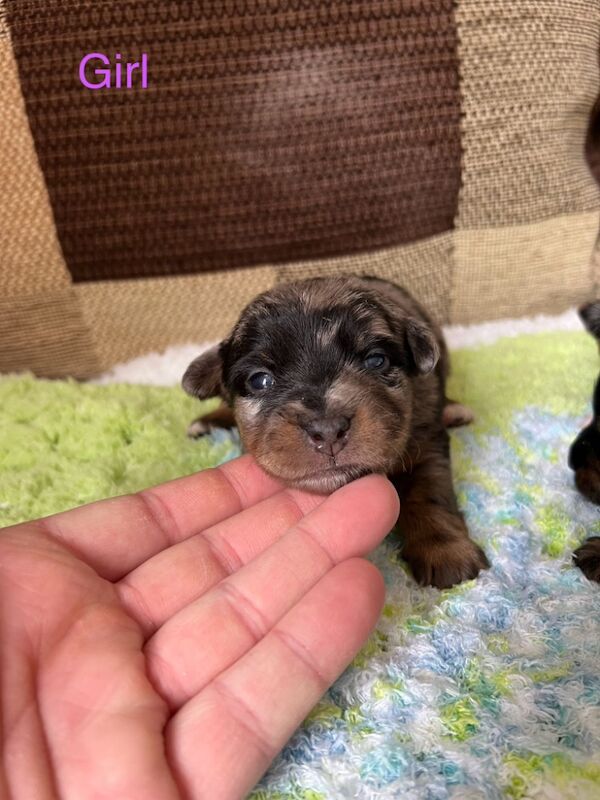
328 435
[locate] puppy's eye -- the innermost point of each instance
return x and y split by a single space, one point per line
260 381
376 361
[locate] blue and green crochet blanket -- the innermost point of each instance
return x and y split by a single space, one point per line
488 690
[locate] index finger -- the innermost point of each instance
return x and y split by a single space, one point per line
114 536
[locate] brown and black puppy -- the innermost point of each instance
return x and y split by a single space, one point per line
333 378
584 457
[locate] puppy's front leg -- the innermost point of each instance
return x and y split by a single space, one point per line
436 539
587 558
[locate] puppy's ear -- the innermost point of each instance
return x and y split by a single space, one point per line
590 314
422 346
203 377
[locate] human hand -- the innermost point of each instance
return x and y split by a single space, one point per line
166 645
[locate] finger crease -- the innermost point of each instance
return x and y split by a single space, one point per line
247 719
50 527
307 532
253 620
131 596
303 655
224 553
163 674
237 489
161 515
295 503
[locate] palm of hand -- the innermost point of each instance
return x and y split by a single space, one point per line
78 675
153 648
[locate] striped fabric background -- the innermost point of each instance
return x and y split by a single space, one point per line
438 143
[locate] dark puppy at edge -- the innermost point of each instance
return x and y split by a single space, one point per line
584 457
330 379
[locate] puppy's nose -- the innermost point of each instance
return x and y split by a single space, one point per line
328 435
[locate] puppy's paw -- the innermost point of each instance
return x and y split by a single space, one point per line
587 558
455 415
198 428
445 565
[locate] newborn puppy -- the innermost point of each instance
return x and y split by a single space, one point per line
333 378
584 458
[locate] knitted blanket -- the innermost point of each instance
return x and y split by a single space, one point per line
488 690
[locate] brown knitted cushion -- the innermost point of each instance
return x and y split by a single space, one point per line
436 143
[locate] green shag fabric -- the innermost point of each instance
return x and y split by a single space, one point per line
64 443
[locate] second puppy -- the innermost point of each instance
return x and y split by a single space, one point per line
584 457
333 378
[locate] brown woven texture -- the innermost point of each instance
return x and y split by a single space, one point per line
438 144
277 130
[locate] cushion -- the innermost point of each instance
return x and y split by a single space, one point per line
439 144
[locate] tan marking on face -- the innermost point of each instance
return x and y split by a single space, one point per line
247 407
381 419
315 294
246 413
327 332
378 327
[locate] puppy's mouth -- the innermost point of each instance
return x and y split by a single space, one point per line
328 479
325 453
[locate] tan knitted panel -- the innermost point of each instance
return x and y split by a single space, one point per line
529 78
528 208
132 317
523 269
30 257
41 333
41 327
423 268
